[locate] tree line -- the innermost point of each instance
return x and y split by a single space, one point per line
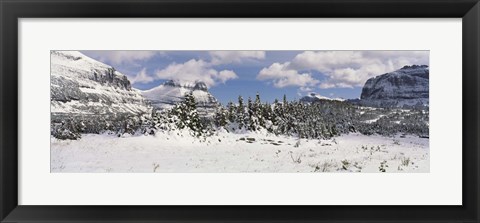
323 119
317 120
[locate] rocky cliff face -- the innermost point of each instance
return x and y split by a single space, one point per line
171 92
89 96
406 87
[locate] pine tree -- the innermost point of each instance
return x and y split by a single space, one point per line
187 115
221 117
257 100
240 113
194 122
178 115
231 112
251 119
267 116
278 117
258 111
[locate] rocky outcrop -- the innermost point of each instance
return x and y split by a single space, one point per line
406 87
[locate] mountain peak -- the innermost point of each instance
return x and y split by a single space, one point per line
315 97
82 66
413 67
196 85
200 85
171 92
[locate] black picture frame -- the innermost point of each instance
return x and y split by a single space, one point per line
12 10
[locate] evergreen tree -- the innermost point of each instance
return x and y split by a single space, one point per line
251 121
278 117
258 112
221 116
231 112
186 112
240 113
194 120
267 111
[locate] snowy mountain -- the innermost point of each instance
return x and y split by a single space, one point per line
171 92
85 91
314 97
406 87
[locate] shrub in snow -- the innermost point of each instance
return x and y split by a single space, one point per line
382 166
345 164
66 129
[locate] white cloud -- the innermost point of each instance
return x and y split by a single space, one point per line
142 77
118 57
226 75
228 57
282 76
195 70
346 69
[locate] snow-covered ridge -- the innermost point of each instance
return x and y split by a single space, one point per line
172 92
85 90
315 97
197 85
80 84
74 64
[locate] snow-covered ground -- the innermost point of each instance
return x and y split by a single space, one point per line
234 153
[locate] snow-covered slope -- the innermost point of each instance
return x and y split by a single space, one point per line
171 92
80 84
314 97
84 89
406 87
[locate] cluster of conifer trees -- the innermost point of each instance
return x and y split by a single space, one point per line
323 119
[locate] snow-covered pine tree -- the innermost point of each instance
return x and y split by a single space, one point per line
251 121
178 114
278 117
258 112
187 115
221 116
289 116
194 122
162 120
240 113
285 102
231 112
275 111
267 116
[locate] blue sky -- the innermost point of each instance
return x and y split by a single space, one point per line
228 74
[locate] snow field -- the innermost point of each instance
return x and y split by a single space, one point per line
178 152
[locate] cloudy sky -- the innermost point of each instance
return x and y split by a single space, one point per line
271 73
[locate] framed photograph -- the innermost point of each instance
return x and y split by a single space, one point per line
228 111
